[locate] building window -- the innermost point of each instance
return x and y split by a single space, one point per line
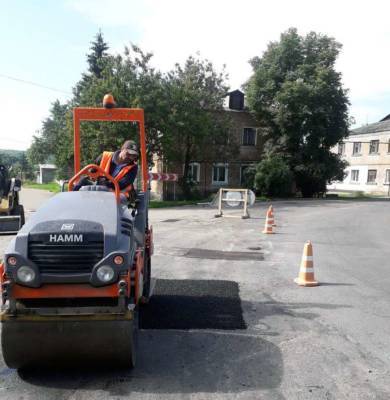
194 172
355 175
357 146
249 137
387 178
388 147
374 146
371 177
220 173
341 149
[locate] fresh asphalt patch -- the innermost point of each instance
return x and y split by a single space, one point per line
193 304
224 255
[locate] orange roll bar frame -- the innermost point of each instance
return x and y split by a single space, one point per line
111 114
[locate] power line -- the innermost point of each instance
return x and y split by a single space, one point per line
12 78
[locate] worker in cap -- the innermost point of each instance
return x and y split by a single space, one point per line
121 165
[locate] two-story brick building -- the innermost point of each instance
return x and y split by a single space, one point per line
210 175
367 150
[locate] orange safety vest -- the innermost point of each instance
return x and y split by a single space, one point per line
105 164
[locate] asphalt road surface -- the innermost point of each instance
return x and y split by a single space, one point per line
227 321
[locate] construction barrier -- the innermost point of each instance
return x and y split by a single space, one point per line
154 176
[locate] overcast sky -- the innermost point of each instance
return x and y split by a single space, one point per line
46 41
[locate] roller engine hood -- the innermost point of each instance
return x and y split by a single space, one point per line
68 214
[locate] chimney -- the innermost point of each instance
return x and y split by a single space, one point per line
236 100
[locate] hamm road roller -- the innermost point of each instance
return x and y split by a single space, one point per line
74 276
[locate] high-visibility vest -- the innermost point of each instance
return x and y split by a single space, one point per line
105 164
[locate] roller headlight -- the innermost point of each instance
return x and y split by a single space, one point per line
12 261
25 274
105 273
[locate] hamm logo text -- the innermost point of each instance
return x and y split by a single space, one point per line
66 238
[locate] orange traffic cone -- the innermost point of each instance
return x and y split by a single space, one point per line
272 214
306 272
269 221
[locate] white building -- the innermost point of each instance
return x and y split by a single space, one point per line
47 173
367 150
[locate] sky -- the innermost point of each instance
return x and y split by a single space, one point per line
45 42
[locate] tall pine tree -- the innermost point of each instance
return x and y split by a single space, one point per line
98 55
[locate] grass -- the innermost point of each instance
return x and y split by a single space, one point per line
356 195
51 187
55 188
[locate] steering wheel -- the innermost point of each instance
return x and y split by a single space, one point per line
93 171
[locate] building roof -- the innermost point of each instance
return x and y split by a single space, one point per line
381 126
48 166
234 91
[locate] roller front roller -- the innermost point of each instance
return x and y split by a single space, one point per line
69 343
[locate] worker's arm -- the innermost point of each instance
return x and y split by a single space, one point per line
129 178
97 162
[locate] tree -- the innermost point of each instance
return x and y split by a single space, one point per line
96 58
18 161
273 177
195 128
54 140
132 81
296 93
183 117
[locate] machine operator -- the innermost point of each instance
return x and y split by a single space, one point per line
122 166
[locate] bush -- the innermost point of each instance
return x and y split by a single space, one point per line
273 177
249 177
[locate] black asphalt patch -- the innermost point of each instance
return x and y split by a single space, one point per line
224 255
193 304
254 248
171 220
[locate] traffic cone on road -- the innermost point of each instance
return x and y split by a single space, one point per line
269 221
306 271
272 214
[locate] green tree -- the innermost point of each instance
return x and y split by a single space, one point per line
134 83
53 140
195 128
273 177
183 117
18 161
296 93
96 58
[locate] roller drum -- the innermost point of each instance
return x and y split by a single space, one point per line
69 343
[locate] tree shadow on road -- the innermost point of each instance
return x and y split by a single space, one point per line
175 356
174 361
